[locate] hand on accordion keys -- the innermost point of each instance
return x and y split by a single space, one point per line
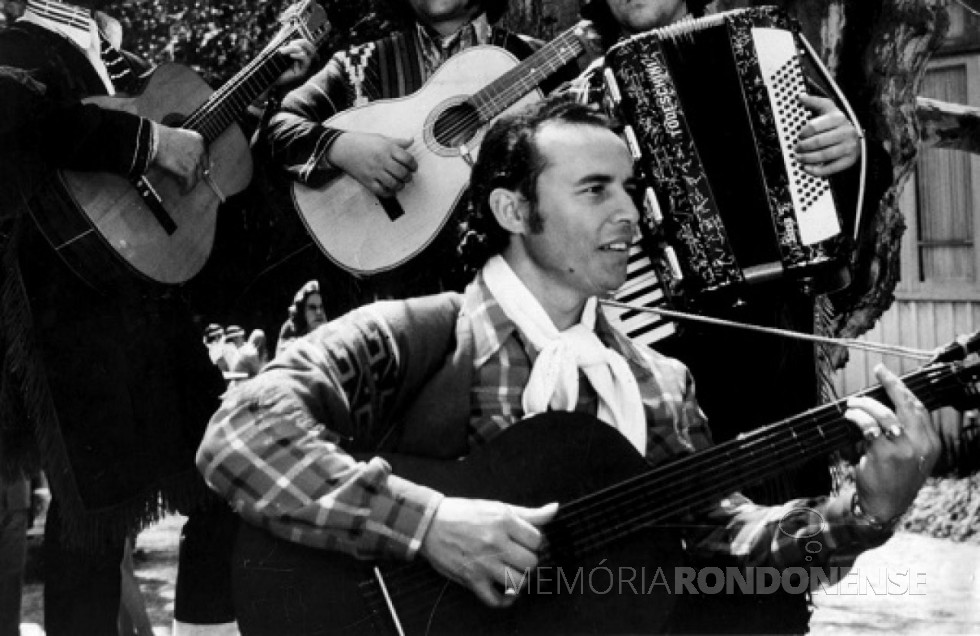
829 143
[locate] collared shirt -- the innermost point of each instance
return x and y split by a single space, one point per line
436 49
502 365
271 455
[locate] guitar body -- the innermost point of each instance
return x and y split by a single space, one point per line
350 224
110 212
284 588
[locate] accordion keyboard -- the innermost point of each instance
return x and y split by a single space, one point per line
783 75
642 288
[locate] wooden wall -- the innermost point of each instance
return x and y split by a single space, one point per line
910 323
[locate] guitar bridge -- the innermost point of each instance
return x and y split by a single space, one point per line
392 207
153 201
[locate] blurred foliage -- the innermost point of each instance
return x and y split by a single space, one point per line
947 508
219 37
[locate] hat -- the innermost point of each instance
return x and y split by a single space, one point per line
213 332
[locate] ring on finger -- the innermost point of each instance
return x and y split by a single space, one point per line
892 431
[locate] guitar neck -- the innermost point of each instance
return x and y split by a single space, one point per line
688 484
227 104
526 76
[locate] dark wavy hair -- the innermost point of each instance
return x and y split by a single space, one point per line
399 13
509 158
297 315
597 11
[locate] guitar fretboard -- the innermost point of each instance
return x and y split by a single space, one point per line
523 78
227 104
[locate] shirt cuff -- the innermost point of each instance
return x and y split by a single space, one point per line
406 509
324 143
147 141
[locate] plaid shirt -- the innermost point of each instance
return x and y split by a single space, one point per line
272 453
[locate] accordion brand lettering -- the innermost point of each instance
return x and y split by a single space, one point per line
665 95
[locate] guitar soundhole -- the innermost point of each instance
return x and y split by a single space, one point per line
455 125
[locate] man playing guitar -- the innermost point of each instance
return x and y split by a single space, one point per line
311 153
107 393
441 377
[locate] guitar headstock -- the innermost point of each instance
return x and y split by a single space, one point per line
959 349
963 354
307 19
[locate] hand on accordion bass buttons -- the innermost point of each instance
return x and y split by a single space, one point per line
829 143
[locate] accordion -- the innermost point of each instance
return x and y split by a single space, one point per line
711 117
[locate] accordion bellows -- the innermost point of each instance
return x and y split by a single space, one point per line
712 116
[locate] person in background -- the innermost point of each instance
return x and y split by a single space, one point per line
429 32
231 350
214 340
235 335
306 313
115 423
12 9
252 355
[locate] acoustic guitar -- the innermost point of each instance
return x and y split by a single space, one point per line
617 516
446 120
147 224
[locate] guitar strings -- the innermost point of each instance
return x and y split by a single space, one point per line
427 583
695 460
823 442
798 432
756 468
203 118
430 586
270 51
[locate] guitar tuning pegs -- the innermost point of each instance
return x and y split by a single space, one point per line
959 348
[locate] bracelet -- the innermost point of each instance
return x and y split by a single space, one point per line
872 521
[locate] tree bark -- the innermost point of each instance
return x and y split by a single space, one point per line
900 36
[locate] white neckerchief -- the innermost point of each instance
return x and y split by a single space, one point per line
554 377
74 23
